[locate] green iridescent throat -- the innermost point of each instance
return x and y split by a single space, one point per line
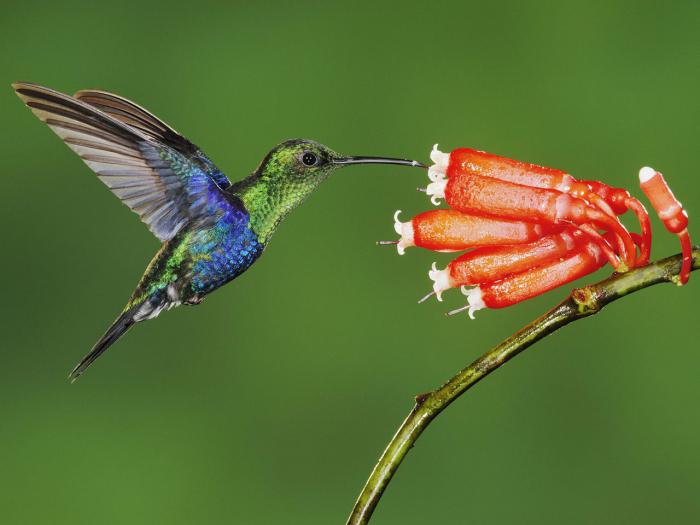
277 187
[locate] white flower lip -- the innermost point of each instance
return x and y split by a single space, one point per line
440 162
436 191
440 158
437 173
405 230
441 281
474 299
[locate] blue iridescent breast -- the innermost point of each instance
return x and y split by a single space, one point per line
221 252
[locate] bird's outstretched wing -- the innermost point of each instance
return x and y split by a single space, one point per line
138 117
155 171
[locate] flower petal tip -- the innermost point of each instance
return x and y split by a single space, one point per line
646 174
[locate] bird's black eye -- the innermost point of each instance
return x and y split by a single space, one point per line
309 159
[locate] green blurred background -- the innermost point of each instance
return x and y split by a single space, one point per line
271 402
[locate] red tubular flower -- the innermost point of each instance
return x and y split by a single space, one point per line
586 259
613 201
489 264
451 230
531 228
470 192
671 213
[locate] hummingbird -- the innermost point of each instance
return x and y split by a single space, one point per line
211 230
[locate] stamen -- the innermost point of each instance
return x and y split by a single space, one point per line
458 310
426 297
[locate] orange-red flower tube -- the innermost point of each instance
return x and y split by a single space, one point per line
451 230
515 288
493 263
671 213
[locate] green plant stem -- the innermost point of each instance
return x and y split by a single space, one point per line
581 303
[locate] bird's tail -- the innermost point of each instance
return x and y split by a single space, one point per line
119 327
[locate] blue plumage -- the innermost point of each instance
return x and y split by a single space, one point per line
223 252
211 230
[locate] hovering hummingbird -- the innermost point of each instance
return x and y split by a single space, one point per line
211 230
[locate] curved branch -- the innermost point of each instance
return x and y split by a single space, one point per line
581 303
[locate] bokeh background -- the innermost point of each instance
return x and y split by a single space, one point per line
271 402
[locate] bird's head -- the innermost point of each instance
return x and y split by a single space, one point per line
304 164
290 172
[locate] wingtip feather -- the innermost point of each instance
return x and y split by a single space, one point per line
18 87
18 84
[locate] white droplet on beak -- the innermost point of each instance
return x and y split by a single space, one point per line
475 299
405 230
441 281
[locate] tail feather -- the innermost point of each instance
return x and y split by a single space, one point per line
114 332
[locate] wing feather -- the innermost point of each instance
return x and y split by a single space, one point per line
133 115
146 122
150 167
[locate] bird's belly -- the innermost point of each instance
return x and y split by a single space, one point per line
219 255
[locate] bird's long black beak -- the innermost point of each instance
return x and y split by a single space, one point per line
344 161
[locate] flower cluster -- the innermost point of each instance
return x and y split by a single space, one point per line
529 229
